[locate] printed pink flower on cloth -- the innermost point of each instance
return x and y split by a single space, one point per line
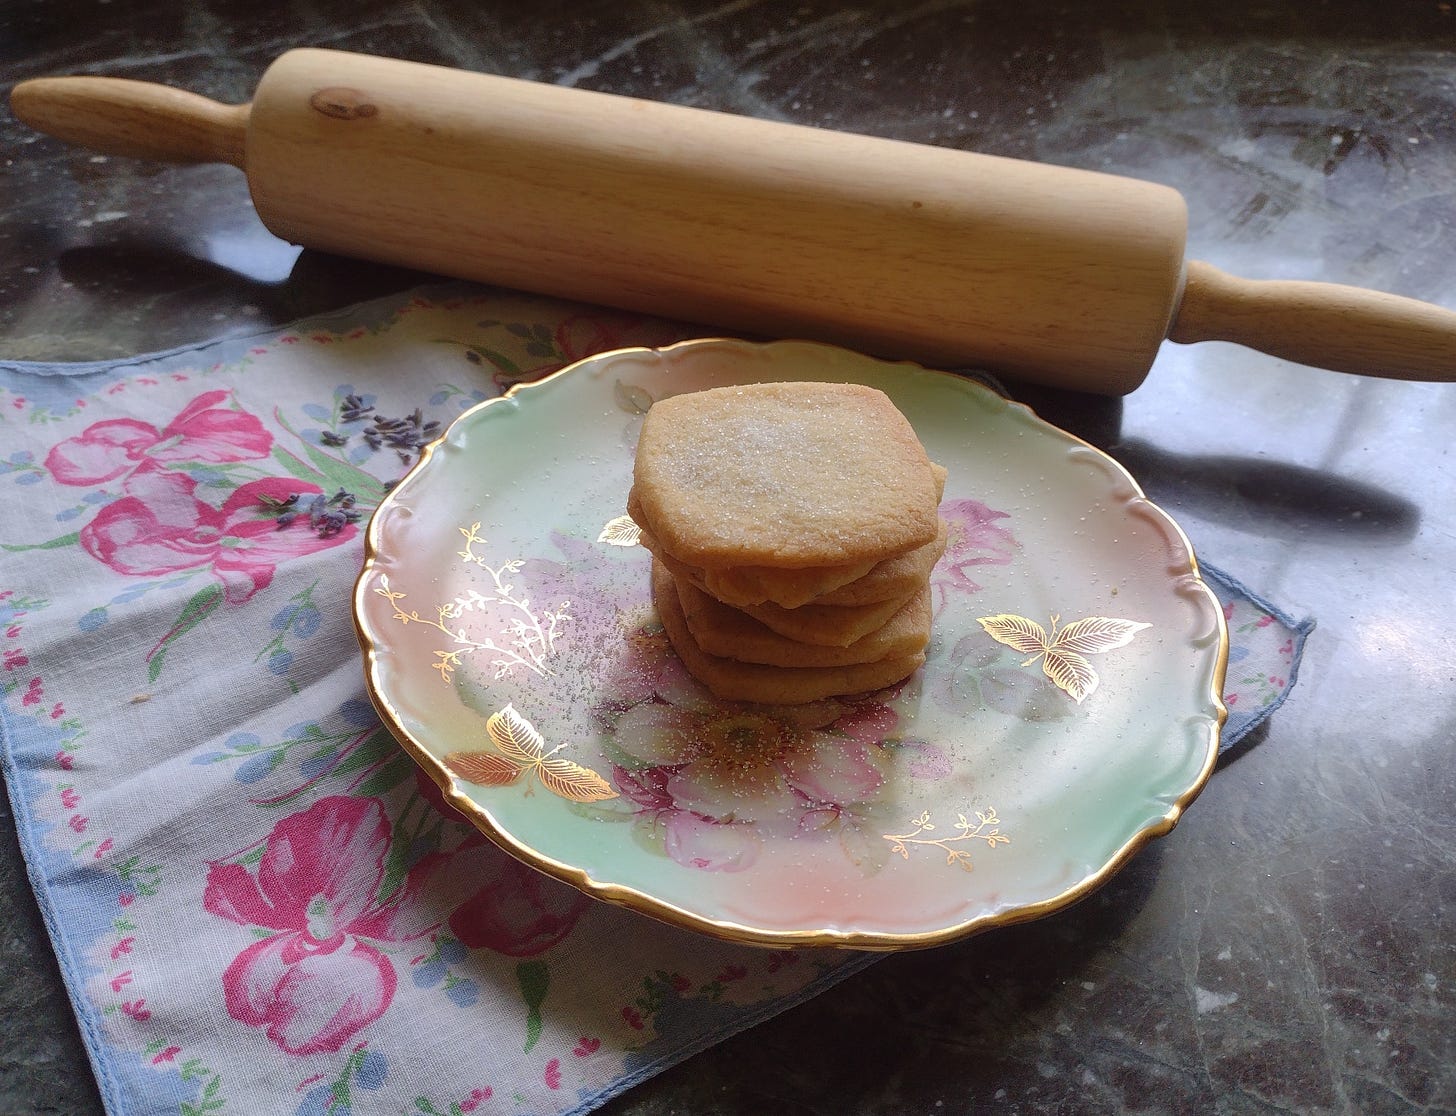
520 912
201 432
160 527
584 335
316 981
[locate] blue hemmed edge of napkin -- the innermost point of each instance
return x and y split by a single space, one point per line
1241 723
30 833
853 963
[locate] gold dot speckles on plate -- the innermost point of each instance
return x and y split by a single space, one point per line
1063 653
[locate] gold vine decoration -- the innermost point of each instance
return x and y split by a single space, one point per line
987 828
530 636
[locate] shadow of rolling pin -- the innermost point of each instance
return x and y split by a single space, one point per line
1053 275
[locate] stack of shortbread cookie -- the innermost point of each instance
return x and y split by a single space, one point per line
793 528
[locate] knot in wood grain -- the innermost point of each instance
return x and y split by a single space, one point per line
343 103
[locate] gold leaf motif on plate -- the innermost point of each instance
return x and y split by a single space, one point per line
1063 652
521 750
622 531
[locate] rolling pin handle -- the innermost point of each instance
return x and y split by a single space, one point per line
133 119
1325 325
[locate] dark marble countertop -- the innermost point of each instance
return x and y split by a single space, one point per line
1289 947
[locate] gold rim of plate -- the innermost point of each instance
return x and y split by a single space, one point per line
634 899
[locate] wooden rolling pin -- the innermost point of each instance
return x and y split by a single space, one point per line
1060 276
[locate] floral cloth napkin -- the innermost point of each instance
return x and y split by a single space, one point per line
258 903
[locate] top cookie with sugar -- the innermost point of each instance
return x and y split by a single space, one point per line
786 475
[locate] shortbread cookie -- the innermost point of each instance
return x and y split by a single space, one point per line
825 625
864 584
891 578
745 585
730 634
743 588
730 680
785 476
784 592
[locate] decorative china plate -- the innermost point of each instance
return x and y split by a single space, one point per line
1068 712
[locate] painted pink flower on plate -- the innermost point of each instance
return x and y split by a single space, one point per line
976 539
202 432
161 527
712 781
318 979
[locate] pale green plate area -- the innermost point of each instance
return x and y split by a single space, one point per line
977 794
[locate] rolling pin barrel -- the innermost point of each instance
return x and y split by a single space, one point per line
1062 276
900 249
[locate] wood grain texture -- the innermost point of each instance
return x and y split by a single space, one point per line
133 119
900 249
1327 325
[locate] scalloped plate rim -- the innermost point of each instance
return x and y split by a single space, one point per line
373 646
